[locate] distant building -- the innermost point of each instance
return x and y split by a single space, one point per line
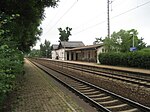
54 51
59 51
86 53
77 51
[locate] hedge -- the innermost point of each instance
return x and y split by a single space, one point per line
138 59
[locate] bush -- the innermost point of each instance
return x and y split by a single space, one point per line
11 65
138 59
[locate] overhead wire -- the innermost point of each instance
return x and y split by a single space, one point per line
112 1
113 17
138 6
56 14
61 17
67 12
92 19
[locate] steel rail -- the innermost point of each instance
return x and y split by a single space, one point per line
118 77
135 104
135 80
98 106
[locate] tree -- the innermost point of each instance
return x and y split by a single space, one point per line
24 30
64 34
45 49
98 40
34 53
123 40
19 30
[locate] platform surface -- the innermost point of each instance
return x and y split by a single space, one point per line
38 94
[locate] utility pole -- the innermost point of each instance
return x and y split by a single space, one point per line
108 19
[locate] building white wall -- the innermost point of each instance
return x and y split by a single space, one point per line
62 55
53 54
99 50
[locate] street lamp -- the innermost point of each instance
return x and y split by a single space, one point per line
132 38
133 48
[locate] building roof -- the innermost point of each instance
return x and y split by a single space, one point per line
70 44
54 46
86 47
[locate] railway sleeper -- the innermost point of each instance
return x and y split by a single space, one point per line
103 98
84 88
87 90
81 86
108 102
121 107
92 93
131 110
111 103
96 95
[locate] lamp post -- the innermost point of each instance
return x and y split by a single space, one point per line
132 38
133 48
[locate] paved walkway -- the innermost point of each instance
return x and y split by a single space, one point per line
39 94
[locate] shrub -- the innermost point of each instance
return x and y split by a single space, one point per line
11 65
138 59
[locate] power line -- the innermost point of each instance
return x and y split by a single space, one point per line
114 17
130 10
92 19
57 13
91 26
61 17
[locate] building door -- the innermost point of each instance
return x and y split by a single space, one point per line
67 55
72 56
76 56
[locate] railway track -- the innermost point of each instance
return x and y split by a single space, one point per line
100 98
128 77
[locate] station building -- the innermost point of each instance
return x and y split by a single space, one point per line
59 51
77 51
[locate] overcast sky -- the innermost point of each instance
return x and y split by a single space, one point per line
88 19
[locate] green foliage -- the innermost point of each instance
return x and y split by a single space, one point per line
19 31
147 49
138 59
45 49
34 53
11 65
98 40
122 41
23 30
64 34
